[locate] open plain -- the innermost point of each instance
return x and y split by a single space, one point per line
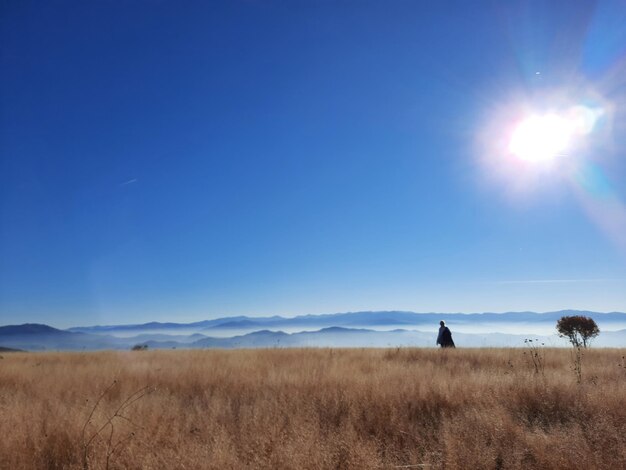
314 408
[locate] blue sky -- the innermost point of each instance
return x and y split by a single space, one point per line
186 160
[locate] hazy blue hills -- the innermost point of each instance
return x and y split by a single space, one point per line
360 319
237 324
37 337
29 329
353 329
327 337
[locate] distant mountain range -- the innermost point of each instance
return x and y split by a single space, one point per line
354 329
362 320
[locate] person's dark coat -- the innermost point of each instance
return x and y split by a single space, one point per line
445 338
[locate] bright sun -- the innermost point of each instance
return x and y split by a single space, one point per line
541 138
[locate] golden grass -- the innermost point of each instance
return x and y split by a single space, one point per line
313 408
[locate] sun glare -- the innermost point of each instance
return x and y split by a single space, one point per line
541 138
529 144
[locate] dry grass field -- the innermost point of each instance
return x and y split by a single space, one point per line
313 408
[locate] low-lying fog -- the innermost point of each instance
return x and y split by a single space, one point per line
516 328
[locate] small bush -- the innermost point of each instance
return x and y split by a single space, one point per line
578 329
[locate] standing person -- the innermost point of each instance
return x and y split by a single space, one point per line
445 337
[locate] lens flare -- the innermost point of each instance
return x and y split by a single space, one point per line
541 138
545 147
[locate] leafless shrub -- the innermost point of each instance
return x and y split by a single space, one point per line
577 363
106 429
536 355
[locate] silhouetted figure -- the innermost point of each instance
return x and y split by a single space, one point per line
445 337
